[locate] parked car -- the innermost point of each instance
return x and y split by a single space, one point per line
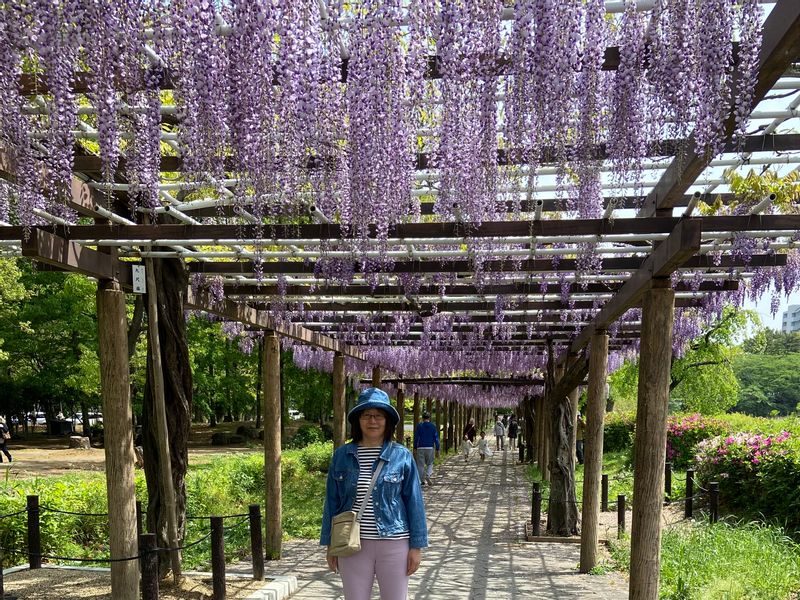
295 415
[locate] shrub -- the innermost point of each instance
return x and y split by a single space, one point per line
618 431
317 457
685 431
307 434
758 475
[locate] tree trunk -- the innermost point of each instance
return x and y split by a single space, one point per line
563 511
529 416
171 284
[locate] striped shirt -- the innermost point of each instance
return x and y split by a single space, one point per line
367 460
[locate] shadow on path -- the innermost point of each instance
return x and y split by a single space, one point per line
476 511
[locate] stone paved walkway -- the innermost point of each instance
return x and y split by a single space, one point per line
476 513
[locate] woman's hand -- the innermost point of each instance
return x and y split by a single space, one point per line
333 561
414 558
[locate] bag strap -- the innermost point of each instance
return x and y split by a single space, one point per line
369 491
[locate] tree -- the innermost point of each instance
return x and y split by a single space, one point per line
769 341
703 379
770 383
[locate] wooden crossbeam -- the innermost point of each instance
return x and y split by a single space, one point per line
681 245
780 47
237 234
50 249
91 163
311 293
540 265
241 313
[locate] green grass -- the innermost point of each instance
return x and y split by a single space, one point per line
725 561
223 486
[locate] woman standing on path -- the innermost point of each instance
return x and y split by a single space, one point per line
393 526
470 431
5 435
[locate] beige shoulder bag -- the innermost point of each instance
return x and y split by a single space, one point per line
346 526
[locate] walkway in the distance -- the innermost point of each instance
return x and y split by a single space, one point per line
476 513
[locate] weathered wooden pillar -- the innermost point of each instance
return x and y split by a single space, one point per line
574 397
399 432
339 429
112 330
160 421
651 438
429 405
593 450
376 376
451 413
272 446
439 422
417 407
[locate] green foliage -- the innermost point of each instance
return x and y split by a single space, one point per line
226 486
747 561
734 561
307 434
758 474
685 431
310 391
770 341
618 431
770 383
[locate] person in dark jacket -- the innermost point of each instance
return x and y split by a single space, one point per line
513 428
426 443
470 431
5 435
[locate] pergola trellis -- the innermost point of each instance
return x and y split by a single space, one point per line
478 288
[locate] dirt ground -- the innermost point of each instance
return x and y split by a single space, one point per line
40 454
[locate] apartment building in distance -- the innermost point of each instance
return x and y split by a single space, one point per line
791 319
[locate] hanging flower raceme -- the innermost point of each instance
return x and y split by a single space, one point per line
750 15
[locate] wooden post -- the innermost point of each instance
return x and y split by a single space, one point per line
339 426
34 533
149 553
713 501
218 558
139 519
688 509
620 515
162 433
667 482
417 410
112 330
651 438
574 397
536 509
604 493
376 376
428 405
593 451
399 432
256 541
272 446
451 414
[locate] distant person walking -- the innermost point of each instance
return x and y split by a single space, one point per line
470 430
5 435
426 443
499 434
579 435
513 428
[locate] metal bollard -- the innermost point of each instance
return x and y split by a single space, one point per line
148 549
34 533
604 493
536 509
620 515
667 482
688 509
218 558
713 501
256 542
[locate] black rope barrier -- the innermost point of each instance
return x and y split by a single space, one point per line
14 514
44 507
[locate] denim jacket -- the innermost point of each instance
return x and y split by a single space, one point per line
396 498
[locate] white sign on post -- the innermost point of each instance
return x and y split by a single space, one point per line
139 280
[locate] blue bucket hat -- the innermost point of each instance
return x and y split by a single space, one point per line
373 398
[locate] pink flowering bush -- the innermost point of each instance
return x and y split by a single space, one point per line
758 474
684 432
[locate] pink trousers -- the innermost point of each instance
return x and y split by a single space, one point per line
385 559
